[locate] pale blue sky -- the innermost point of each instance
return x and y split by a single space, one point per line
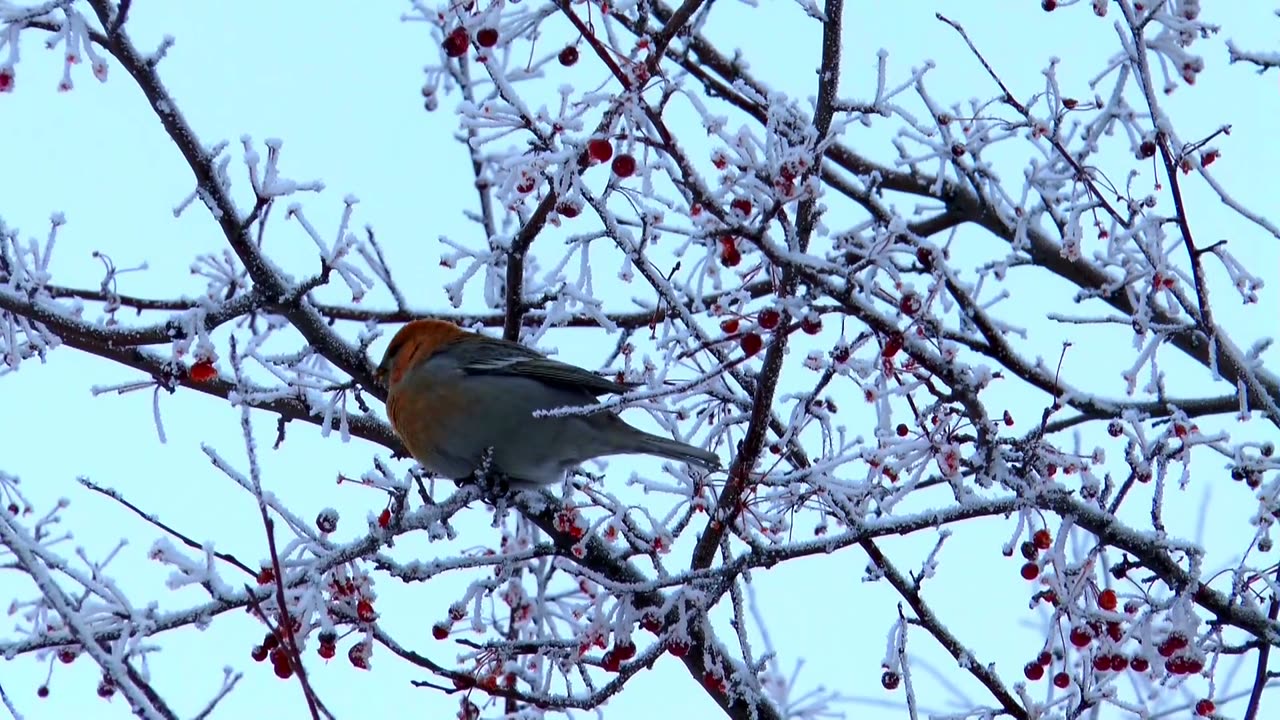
338 82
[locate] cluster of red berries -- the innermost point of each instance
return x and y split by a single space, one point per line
457 40
570 522
601 150
441 629
752 342
614 657
1035 670
1040 540
281 660
1177 662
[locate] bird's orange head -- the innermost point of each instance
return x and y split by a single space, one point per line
413 344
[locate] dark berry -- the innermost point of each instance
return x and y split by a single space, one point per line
455 43
600 149
624 165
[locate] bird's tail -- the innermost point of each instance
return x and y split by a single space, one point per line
676 450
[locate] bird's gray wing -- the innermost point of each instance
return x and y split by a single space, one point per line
545 369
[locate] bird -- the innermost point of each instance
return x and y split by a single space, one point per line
455 397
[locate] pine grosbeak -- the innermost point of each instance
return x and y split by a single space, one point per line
453 395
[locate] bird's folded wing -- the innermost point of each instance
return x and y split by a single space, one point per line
546 370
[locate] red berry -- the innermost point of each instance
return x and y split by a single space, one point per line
266 576
1139 663
1102 663
811 325
42 691
611 662
526 185
624 165
902 430
924 256
1029 550
327 521
384 518
327 650
890 680
1080 636
625 650
439 631
600 149
1008 419
741 205
281 664
1107 599
909 303
106 688
751 343
464 682
1030 571
1033 670
67 655
892 344
258 653
678 648
1119 663
202 372
1042 539
569 56
713 682
1049 5
569 209
769 319
1146 149
487 37
730 256
358 656
1061 680
455 43
364 610
1115 429
652 623
1044 658
1205 707
6 81
729 325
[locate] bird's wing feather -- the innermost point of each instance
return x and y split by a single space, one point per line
550 371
